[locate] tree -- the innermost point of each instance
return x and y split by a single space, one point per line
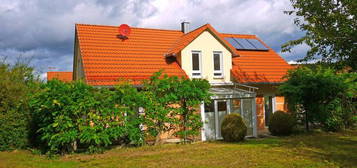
190 94
331 30
171 104
324 96
160 98
17 82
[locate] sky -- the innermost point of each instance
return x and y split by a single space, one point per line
42 31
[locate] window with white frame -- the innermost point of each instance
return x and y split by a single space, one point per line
217 64
196 64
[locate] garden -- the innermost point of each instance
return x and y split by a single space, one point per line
57 124
59 120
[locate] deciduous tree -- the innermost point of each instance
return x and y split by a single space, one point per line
331 30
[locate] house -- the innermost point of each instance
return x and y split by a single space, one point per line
62 76
242 69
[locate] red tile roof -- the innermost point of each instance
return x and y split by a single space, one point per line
258 66
62 76
107 59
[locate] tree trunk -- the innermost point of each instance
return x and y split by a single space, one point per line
184 122
306 122
158 139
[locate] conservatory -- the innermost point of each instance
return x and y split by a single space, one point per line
226 100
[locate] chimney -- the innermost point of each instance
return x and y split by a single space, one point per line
185 27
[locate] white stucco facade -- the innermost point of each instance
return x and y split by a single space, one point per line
206 44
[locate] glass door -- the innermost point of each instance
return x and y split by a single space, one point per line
210 122
221 111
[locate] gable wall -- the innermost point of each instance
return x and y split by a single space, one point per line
207 44
78 72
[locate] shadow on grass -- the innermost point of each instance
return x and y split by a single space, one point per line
340 148
271 142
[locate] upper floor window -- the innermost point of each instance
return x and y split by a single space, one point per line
217 64
196 64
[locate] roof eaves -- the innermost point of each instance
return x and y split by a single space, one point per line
264 83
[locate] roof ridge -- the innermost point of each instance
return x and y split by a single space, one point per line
240 34
130 27
205 25
61 71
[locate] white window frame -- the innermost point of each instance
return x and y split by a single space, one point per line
221 64
199 62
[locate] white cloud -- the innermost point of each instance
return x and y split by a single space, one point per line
259 16
43 76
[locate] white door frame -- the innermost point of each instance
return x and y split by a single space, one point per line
203 136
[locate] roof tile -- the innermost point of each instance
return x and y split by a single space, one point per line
62 76
107 59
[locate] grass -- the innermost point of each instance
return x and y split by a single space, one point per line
306 150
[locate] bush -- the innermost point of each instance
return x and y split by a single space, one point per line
281 123
16 83
233 128
68 115
324 96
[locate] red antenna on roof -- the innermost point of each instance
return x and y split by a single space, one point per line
124 31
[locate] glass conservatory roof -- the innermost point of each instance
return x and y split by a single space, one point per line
231 93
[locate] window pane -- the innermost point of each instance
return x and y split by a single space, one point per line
222 106
195 62
236 106
248 115
209 107
217 60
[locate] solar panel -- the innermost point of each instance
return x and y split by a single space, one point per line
258 45
245 44
234 43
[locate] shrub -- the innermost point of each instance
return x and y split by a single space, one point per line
233 128
324 96
16 83
281 123
68 115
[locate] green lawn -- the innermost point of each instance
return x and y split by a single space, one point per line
308 150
